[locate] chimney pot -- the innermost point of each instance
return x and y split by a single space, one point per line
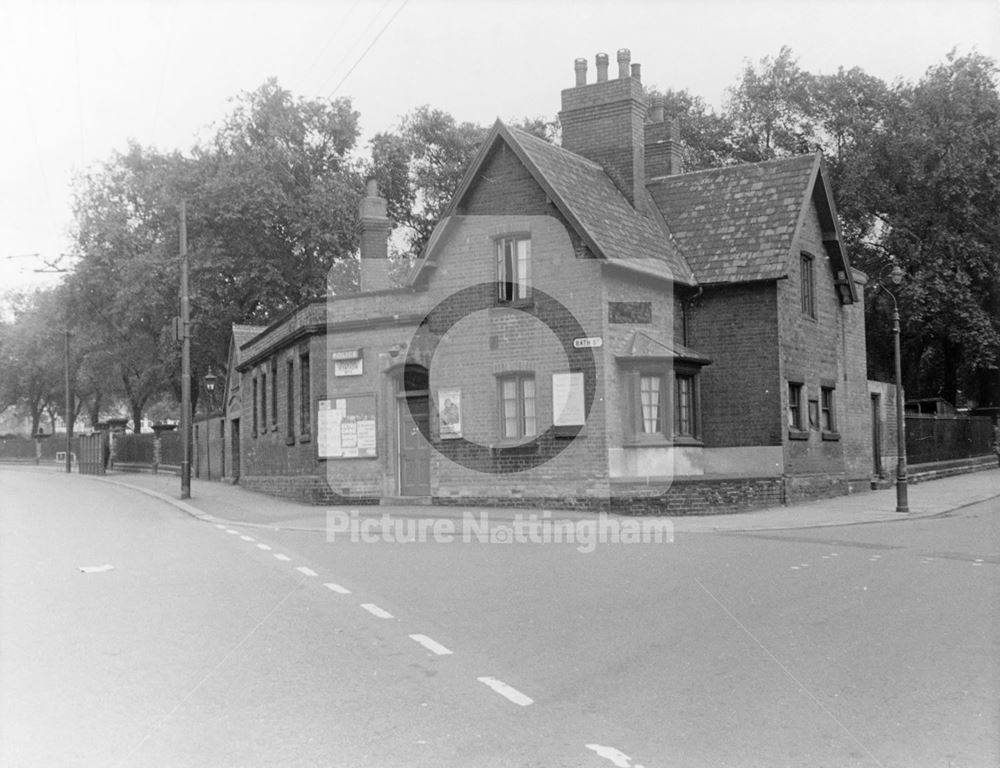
602 67
656 109
580 65
635 72
624 57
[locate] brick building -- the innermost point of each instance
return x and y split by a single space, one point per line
589 326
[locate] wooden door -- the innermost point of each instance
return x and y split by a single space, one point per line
414 452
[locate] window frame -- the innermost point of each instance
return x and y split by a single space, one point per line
305 396
254 408
290 400
828 412
669 405
518 378
274 393
807 284
797 416
519 290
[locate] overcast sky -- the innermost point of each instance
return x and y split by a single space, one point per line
79 79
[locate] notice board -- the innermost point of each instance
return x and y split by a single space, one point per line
347 427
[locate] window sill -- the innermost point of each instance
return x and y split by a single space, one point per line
832 436
522 305
798 434
664 442
289 441
305 438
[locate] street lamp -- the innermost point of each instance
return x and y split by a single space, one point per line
902 505
210 379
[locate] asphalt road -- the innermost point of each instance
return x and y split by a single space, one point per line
866 645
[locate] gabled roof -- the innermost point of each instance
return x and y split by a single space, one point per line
244 333
588 199
644 345
738 223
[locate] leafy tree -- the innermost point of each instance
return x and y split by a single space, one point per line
937 199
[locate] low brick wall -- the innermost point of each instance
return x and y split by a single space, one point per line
311 489
815 486
698 496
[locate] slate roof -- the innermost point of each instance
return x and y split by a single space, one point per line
645 345
617 230
244 333
737 223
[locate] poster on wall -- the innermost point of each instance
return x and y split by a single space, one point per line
347 428
567 399
450 413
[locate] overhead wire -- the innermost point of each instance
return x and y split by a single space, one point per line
366 50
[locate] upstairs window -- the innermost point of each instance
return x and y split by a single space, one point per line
513 269
828 420
807 285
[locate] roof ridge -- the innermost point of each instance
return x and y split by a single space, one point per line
741 165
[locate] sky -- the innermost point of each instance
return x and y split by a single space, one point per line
78 80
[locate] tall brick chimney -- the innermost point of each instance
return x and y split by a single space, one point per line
662 143
603 121
373 231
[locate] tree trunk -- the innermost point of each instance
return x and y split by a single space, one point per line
136 418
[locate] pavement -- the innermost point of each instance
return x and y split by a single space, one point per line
225 503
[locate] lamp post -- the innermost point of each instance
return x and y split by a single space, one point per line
210 379
902 503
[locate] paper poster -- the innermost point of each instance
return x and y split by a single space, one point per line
567 399
347 428
450 413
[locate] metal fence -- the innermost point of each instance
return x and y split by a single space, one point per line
945 438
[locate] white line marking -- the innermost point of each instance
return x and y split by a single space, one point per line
795 567
512 694
305 571
431 645
337 588
97 568
247 538
978 562
230 530
220 526
284 558
374 610
804 565
620 759
833 554
264 547
826 557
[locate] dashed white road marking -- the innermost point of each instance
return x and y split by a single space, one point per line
283 558
431 645
337 588
978 561
248 538
374 610
833 554
305 571
874 557
265 547
803 565
220 526
619 758
230 530
795 568
511 694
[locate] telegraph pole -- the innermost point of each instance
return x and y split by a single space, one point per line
185 334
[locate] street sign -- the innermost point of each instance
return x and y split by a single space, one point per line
585 342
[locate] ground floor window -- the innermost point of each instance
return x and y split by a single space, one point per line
517 406
664 404
795 405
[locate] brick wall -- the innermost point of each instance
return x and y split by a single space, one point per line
736 326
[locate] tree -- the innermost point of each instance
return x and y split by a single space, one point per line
938 160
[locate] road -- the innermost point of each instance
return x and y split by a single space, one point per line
218 645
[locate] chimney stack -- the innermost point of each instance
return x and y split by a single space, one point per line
373 231
580 65
662 143
603 121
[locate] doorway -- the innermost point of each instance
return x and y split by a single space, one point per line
413 418
876 434
235 453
